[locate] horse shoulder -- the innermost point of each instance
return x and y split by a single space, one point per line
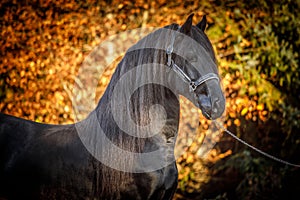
37 157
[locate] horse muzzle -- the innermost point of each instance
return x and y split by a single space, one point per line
212 105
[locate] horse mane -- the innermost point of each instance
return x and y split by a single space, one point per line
140 102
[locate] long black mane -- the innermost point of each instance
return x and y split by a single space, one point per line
141 101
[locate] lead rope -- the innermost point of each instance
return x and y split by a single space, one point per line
252 147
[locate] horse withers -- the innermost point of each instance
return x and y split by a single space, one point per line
124 149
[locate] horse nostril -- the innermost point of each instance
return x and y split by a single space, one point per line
216 106
215 110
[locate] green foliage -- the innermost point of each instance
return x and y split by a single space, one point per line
259 176
265 41
260 51
276 55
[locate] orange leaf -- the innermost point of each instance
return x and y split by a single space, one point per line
244 111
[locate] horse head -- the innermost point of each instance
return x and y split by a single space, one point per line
190 54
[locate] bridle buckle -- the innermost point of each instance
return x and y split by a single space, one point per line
193 86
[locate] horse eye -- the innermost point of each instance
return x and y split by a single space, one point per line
179 38
194 59
191 58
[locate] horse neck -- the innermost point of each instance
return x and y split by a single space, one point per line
102 120
144 97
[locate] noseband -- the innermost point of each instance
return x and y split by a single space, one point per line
193 85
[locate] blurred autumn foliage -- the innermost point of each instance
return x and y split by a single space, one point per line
43 44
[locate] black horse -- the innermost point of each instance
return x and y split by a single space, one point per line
125 148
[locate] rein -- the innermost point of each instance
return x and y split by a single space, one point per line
252 147
192 84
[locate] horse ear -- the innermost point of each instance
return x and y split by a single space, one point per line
202 23
186 27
